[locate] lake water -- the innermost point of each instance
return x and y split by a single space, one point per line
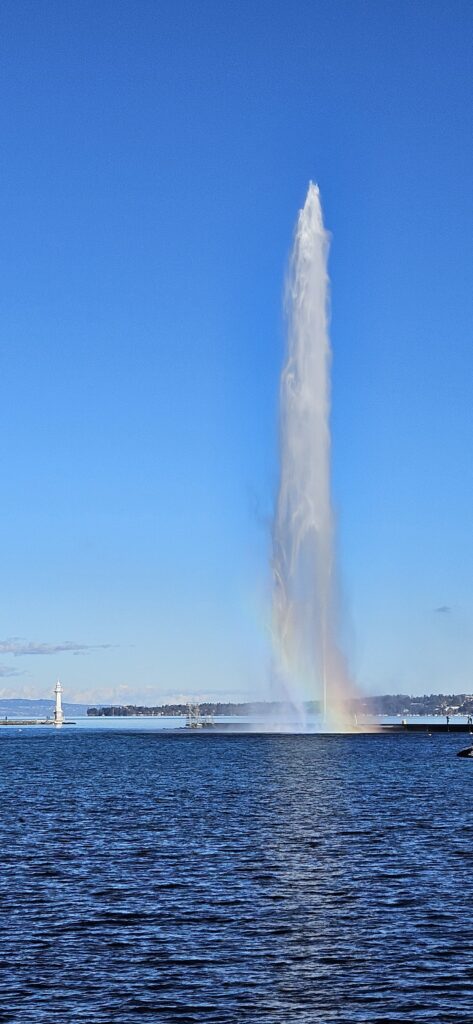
210 878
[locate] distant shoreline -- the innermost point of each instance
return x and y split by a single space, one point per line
388 705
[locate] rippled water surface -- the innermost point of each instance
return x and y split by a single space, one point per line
222 878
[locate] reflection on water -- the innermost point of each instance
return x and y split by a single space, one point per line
234 879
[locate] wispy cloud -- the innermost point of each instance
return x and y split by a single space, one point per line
443 609
5 672
19 647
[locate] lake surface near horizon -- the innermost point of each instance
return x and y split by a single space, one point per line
232 879
158 722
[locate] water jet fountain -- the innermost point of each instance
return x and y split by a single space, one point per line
309 662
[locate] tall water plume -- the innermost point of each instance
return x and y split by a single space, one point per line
309 661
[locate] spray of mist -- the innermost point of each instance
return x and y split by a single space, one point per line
309 664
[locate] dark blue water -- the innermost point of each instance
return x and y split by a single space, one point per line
206 878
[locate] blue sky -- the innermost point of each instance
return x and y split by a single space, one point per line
154 157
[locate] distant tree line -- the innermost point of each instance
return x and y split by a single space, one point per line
402 704
175 710
388 704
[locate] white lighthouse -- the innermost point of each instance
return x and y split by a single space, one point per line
58 712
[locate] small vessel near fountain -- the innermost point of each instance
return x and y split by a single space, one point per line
195 720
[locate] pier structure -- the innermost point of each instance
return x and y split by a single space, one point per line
56 720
